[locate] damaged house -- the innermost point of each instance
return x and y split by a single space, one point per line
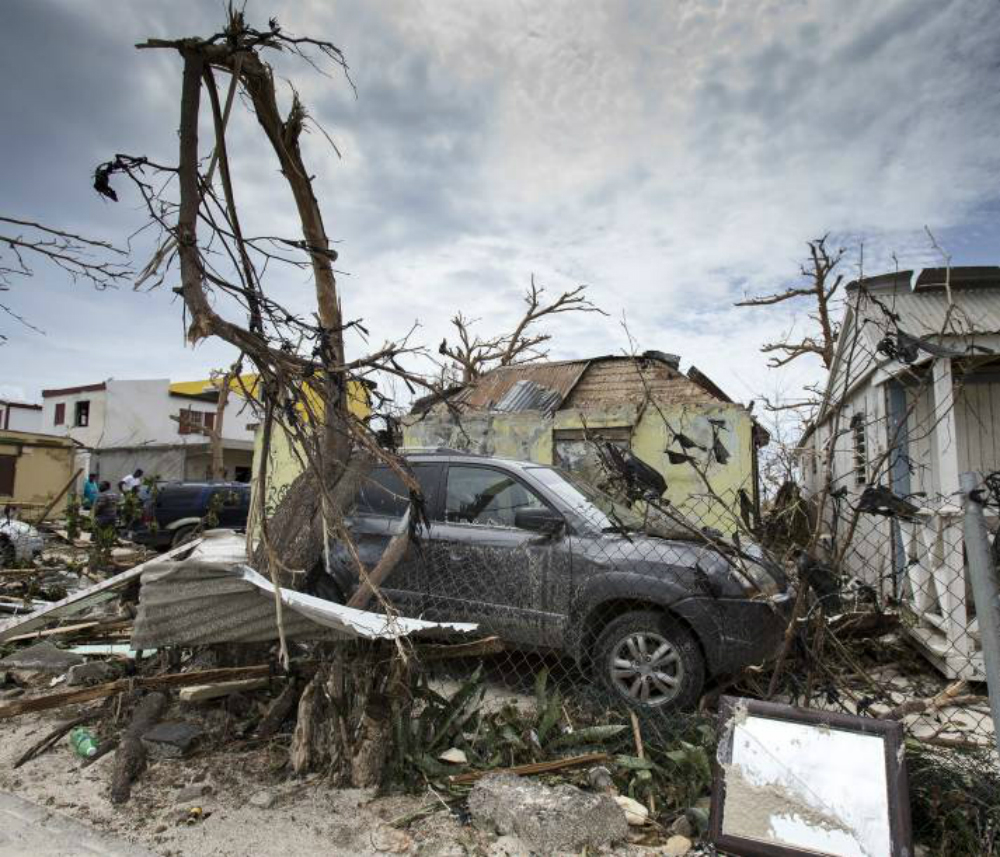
912 401
550 412
150 424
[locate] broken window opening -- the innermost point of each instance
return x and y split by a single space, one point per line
860 449
8 469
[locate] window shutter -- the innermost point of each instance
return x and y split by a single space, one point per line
209 421
60 416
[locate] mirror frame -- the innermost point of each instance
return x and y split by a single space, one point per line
891 731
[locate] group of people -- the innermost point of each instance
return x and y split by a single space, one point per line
103 501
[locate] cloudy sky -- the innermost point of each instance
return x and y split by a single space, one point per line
672 155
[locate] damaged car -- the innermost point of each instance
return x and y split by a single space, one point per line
19 542
545 561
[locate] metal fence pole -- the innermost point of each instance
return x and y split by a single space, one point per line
985 590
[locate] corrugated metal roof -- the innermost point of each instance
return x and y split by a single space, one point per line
925 312
526 395
491 388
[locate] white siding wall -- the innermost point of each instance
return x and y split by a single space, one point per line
16 418
977 414
137 413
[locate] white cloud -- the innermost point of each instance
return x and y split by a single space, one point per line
670 155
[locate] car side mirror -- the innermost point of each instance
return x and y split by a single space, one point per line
539 521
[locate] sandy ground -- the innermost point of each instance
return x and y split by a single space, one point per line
307 817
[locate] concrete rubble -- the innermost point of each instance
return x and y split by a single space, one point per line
546 820
172 739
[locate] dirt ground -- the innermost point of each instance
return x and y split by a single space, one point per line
306 816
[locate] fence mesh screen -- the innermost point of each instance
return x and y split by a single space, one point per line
616 631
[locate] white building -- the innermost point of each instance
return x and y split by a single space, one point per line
20 416
912 401
148 424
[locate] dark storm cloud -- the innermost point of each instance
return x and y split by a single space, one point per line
671 155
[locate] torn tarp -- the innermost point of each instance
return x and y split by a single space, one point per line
212 596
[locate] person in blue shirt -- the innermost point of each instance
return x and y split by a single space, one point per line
90 490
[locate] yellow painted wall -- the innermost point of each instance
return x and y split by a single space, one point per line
43 467
529 437
284 463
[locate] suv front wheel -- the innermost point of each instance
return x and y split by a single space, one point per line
649 661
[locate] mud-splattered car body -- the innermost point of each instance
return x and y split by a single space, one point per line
528 552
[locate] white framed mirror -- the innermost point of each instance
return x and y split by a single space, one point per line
795 781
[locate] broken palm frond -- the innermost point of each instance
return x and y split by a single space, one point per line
481 738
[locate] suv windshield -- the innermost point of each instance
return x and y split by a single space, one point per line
600 509
608 514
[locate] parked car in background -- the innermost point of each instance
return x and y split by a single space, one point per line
545 561
172 511
19 541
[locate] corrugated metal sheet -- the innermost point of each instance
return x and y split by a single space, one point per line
528 396
492 387
925 312
211 597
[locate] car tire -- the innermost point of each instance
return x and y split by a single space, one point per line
8 553
624 659
181 536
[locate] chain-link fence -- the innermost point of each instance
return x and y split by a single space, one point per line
906 560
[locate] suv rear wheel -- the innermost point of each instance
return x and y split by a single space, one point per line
182 535
650 661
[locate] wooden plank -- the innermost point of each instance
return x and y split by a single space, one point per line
158 682
65 630
60 495
534 767
204 692
79 601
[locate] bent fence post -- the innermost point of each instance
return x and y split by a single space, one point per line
985 590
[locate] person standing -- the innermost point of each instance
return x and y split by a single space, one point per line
132 481
90 491
106 506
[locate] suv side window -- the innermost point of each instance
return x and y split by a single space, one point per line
383 492
231 498
481 495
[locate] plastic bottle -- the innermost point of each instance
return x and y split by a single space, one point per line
83 741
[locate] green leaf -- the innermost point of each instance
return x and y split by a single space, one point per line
432 767
550 717
456 706
511 737
698 816
540 696
633 763
589 735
